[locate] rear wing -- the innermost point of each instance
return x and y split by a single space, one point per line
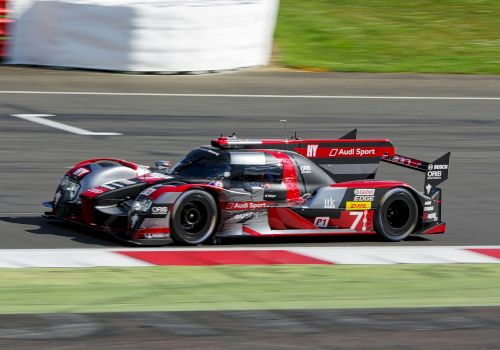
346 158
436 172
343 159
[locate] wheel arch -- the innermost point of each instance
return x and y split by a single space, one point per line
214 192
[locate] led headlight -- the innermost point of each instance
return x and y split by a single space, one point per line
70 188
142 205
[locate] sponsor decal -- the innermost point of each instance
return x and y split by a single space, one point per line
321 221
428 203
269 195
406 161
159 211
156 235
358 205
434 175
95 190
112 186
438 167
245 216
364 198
127 182
329 203
81 172
119 184
432 216
311 150
358 152
246 205
217 183
305 169
148 192
364 191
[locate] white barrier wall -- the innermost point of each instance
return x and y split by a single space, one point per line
142 36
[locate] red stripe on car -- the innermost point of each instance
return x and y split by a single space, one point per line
289 174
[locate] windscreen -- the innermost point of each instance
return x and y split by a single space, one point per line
203 163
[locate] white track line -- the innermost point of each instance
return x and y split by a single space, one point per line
327 97
40 119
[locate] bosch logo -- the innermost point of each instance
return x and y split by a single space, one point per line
431 167
440 167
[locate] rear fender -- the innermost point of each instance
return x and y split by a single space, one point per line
354 195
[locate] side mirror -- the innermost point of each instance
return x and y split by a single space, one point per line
163 164
252 188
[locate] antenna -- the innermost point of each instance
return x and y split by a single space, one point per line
284 133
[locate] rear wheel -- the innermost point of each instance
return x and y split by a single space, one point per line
397 215
194 217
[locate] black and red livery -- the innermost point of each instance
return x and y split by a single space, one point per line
237 187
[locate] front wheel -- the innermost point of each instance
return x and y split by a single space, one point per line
397 215
194 217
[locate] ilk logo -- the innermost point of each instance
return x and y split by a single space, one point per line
329 202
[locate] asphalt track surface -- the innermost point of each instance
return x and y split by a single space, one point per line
163 117
426 328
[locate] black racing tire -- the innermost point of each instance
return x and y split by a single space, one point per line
397 215
194 218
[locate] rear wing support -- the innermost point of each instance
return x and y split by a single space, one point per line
436 172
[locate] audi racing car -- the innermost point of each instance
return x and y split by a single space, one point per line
252 187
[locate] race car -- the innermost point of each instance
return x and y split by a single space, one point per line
254 187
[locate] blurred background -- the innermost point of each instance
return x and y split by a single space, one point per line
322 35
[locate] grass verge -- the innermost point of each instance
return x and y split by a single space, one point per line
445 36
239 287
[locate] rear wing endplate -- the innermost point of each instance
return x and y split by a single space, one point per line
436 172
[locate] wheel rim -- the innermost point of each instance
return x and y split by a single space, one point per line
398 214
193 219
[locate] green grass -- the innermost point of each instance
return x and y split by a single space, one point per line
438 36
239 287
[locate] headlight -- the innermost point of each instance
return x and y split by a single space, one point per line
70 188
142 205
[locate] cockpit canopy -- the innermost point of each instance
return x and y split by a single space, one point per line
247 166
